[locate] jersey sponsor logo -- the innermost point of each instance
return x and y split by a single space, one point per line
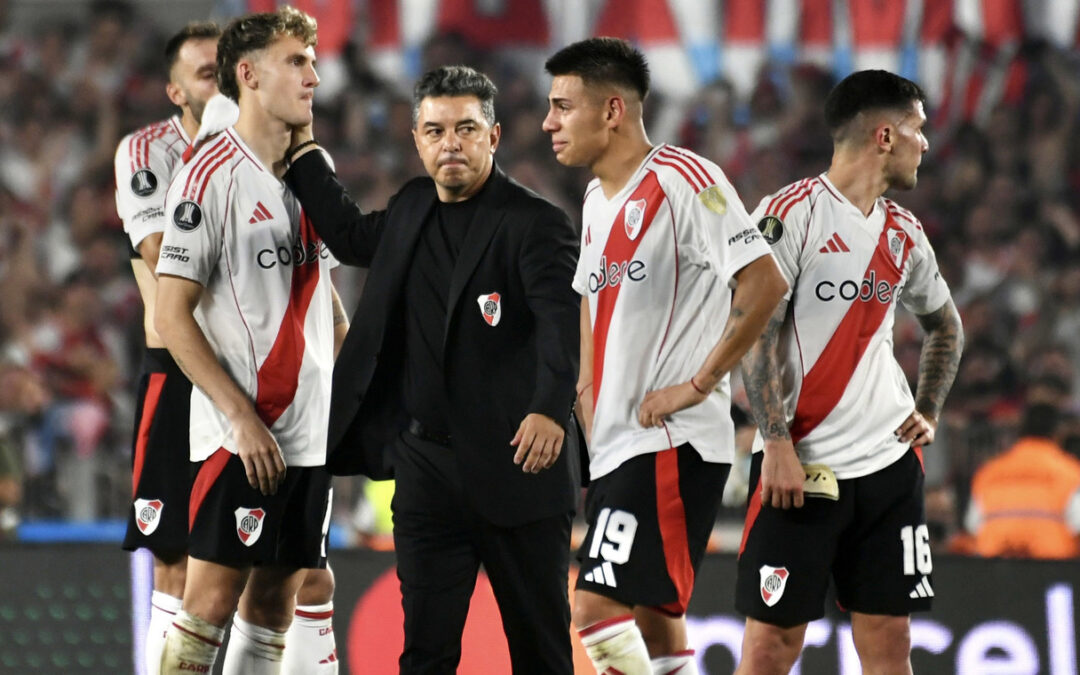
187 216
148 514
149 213
772 228
896 245
713 199
178 253
490 308
249 524
773 582
301 253
613 274
144 183
633 217
870 289
746 236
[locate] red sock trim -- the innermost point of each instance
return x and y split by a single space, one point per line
606 623
314 615
195 635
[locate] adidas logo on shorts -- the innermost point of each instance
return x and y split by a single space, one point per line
603 574
922 590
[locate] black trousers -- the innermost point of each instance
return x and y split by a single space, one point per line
441 542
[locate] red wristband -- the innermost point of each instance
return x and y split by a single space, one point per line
697 388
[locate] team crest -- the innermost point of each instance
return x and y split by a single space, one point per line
713 199
773 582
633 217
187 216
144 183
148 514
897 238
772 228
249 524
490 308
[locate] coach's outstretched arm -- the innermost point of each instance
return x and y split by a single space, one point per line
938 363
175 323
760 287
351 234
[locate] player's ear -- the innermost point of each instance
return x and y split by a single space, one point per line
614 110
175 94
496 134
246 75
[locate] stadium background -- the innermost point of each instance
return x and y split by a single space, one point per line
740 82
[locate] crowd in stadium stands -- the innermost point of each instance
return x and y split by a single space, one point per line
1000 200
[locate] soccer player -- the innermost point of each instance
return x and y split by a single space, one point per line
247 309
146 161
664 237
832 404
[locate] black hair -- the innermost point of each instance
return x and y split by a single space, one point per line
868 90
1041 420
456 81
196 30
603 60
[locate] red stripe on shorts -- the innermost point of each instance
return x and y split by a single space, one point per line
671 514
752 511
150 404
208 475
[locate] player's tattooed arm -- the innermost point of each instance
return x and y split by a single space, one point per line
940 358
761 377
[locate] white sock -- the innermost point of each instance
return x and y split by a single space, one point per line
615 647
679 663
191 645
253 650
310 648
163 609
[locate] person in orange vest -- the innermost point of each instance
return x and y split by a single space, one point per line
1026 501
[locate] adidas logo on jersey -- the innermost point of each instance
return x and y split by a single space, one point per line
922 590
603 574
834 245
261 213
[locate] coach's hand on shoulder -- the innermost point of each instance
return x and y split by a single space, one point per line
782 475
917 429
663 402
539 441
262 458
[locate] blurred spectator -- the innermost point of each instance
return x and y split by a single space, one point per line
1026 501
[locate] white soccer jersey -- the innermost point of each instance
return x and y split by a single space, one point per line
844 392
145 163
656 263
266 311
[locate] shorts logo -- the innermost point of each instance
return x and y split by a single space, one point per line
602 575
249 524
187 216
490 308
633 217
772 228
773 582
148 514
144 182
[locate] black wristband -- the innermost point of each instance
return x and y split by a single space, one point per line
292 151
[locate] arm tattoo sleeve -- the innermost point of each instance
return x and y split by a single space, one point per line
940 358
761 377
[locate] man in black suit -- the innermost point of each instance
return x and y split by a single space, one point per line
457 376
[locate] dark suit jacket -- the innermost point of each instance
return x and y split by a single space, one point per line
520 246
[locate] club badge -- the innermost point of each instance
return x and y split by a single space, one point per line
773 582
148 514
633 218
249 524
490 308
897 239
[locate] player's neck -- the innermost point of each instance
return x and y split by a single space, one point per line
266 136
621 160
859 178
189 123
